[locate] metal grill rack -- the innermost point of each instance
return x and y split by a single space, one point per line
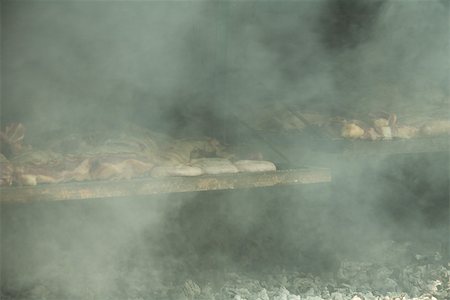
152 186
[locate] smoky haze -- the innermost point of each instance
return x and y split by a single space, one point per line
170 65
187 68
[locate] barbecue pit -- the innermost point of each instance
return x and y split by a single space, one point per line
225 150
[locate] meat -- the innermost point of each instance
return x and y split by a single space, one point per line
11 138
372 126
436 127
180 170
121 155
350 130
35 167
79 157
372 134
119 167
6 171
76 169
255 166
111 155
114 155
215 165
406 132
183 150
384 126
47 167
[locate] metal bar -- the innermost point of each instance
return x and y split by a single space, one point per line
297 114
262 138
151 186
420 145
362 147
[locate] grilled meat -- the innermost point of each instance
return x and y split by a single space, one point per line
181 170
6 171
180 152
436 127
350 130
35 167
11 139
406 132
255 166
119 166
215 165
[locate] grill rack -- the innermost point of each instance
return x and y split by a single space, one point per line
151 186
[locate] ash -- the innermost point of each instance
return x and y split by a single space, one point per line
353 280
169 266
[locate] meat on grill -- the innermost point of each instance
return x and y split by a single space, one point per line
436 127
214 165
180 170
255 166
180 152
35 167
119 167
11 139
373 126
6 171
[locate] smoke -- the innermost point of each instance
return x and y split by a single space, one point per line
401 65
170 65
73 62
186 68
